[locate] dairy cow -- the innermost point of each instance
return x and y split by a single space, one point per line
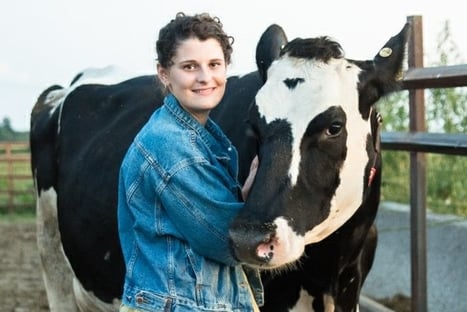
308 112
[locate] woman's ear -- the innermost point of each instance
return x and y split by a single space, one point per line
163 75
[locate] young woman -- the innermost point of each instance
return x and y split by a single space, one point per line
178 189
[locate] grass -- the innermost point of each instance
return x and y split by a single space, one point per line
446 193
22 186
28 216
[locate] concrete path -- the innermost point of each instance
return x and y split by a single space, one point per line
446 259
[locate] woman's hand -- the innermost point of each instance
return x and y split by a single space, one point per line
251 177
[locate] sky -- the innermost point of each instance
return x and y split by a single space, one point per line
48 42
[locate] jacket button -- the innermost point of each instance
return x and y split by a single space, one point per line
139 300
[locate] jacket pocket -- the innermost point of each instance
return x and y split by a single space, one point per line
151 302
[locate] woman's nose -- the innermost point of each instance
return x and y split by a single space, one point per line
204 74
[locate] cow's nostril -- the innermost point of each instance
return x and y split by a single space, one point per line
254 243
265 250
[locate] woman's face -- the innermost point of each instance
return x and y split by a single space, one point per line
197 77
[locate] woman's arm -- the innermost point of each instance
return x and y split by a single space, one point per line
251 178
201 202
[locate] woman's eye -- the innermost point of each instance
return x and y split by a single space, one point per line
334 129
215 64
189 67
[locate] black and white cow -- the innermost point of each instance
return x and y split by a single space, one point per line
311 208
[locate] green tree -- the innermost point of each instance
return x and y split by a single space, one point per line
6 132
447 113
446 108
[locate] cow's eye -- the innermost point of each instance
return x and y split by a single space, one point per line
334 129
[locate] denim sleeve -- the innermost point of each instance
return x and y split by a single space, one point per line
201 201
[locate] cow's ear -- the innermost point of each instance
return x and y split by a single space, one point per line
390 59
383 74
269 47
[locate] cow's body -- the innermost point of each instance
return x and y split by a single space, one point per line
79 137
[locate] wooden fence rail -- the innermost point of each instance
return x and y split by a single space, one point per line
16 186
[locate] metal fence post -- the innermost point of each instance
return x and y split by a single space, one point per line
417 177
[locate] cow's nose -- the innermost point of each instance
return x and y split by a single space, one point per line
253 244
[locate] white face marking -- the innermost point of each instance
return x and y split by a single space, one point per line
324 86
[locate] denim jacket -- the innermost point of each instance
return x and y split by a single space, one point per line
178 193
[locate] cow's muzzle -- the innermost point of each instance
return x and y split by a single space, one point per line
254 244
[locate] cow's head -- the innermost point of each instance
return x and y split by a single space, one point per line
315 124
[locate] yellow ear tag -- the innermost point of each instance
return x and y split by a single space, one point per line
399 76
385 52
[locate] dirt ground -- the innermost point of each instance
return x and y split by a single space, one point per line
398 303
21 285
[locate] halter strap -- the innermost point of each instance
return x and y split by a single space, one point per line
377 146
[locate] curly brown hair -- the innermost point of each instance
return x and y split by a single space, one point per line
201 26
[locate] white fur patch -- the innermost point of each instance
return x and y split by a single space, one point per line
64 292
304 302
329 305
105 75
56 270
289 247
